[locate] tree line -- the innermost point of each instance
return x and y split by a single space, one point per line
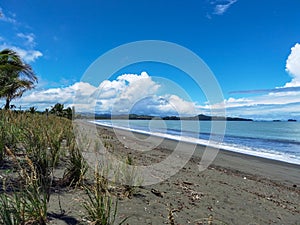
16 77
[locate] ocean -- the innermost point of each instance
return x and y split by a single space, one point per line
272 140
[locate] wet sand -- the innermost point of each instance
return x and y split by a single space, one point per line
235 189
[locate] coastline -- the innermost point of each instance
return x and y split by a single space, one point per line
240 148
280 171
235 189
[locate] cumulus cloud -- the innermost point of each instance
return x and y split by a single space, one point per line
65 95
279 102
129 93
121 94
173 104
220 9
133 93
28 55
138 93
293 66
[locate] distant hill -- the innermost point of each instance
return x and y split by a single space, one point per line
219 118
200 117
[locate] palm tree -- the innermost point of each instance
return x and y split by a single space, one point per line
15 76
32 110
57 109
68 113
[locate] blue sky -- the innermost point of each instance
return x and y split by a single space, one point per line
246 44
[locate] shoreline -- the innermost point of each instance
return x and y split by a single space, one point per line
234 189
280 171
195 141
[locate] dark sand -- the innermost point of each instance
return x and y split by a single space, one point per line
235 189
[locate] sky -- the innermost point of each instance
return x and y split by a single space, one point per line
251 47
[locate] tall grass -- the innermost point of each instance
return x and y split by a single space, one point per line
33 143
10 213
100 207
76 166
39 138
28 203
10 131
129 177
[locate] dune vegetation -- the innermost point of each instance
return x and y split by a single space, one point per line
34 148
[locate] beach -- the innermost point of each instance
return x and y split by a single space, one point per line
235 189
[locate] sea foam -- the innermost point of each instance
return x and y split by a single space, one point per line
258 152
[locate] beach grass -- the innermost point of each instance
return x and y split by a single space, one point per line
100 205
33 147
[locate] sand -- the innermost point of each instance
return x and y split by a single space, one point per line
235 189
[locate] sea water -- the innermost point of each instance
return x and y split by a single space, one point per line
273 140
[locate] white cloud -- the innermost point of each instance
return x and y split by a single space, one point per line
293 66
29 38
28 55
280 98
127 86
174 104
126 92
280 105
65 95
220 9
5 18
26 48
129 93
280 102
267 112
133 93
